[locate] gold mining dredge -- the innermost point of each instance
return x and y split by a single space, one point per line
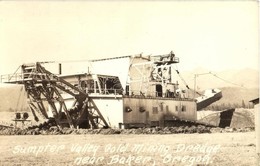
141 93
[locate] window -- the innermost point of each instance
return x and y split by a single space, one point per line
167 109
128 109
161 106
155 110
183 108
141 109
176 108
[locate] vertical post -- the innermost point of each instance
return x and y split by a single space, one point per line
194 86
60 69
129 89
170 73
257 130
95 86
105 89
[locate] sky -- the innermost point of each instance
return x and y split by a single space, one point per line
216 35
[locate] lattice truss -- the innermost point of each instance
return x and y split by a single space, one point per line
41 85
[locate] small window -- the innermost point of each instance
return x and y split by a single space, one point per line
167 108
128 109
155 110
141 109
183 108
83 84
176 108
161 106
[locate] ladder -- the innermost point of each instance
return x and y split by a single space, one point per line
42 85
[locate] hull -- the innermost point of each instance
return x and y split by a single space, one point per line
209 97
110 107
132 112
157 112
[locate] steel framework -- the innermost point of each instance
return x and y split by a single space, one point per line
42 85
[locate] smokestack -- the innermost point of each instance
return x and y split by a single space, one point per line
60 70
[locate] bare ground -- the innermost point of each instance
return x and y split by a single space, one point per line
173 149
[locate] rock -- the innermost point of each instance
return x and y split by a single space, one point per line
138 131
228 129
66 130
23 132
216 130
154 131
147 130
36 132
180 130
118 131
43 132
54 128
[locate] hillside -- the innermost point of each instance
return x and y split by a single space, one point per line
13 97
236 95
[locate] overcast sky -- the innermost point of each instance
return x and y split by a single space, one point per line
215 35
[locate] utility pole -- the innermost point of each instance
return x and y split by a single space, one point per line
195 80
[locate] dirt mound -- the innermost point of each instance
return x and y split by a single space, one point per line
53 130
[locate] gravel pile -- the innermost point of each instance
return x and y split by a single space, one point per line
53 130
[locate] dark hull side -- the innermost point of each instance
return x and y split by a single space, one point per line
206 102
158 111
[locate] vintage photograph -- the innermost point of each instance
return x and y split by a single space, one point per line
129 83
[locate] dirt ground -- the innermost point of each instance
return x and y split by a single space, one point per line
173 149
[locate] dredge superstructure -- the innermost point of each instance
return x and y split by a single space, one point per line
141 94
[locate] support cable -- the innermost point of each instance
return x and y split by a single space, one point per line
187 86
227 81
